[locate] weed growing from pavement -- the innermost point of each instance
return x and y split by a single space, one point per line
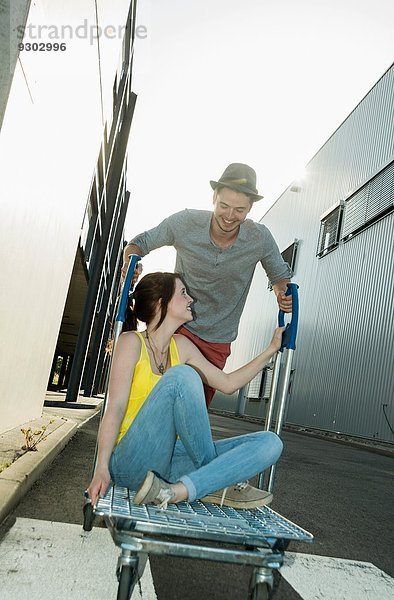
33 437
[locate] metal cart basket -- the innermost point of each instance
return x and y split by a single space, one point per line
256 537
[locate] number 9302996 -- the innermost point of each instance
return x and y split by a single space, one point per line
42 47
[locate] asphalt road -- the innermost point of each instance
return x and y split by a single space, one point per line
343 495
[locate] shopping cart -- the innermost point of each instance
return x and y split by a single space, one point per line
256 537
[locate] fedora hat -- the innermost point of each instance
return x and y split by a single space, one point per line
239 177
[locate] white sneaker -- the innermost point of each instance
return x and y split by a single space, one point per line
154 490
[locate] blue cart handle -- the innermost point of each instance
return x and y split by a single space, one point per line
290 333
127 287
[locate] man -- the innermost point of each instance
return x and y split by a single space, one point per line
217 253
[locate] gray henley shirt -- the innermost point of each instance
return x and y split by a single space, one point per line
218 279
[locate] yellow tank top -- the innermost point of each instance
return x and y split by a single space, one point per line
144 380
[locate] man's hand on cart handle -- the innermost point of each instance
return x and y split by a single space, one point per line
131 249
137 273
284 302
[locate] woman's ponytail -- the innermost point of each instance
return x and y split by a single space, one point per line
130 322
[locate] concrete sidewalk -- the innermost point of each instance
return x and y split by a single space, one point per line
19 469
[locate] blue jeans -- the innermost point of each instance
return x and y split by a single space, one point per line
176 407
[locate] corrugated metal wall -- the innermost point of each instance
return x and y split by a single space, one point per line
344 377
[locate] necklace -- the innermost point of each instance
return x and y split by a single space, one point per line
161 367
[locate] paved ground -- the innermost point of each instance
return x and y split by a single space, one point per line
343 495
20 468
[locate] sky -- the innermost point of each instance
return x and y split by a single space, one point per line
265 82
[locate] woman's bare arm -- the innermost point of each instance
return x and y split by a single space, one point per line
227 383
126 355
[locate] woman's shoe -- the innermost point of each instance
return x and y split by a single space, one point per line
241 495
154 490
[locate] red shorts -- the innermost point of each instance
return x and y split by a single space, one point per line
217 354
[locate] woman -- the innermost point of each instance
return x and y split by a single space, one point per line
156 428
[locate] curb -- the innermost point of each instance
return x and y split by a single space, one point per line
18 478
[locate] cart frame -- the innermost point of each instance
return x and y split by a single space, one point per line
257 537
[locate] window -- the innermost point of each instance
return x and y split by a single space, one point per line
100 169
289 255
368 204
115 92
253 392
260 387
89 222
330 226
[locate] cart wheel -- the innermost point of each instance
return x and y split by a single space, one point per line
126 578
88 516
261 591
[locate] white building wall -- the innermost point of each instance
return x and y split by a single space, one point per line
49 143
344 359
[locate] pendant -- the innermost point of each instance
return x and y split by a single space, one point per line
161 369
